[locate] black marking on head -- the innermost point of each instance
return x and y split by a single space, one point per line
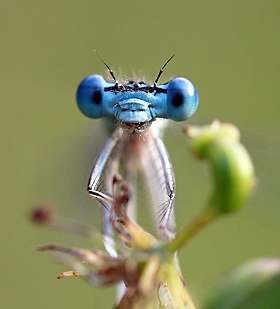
177 98
96 96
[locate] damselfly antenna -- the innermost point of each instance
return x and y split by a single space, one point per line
161 70
111 71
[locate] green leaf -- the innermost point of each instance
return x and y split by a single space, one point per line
254 285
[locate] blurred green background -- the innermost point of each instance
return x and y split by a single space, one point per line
228 49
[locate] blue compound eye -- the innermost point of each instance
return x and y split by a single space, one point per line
90 96
182 99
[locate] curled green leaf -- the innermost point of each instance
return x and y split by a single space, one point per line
232 168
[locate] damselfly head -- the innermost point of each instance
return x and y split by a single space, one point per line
136 104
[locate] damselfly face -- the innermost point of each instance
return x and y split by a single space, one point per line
135 105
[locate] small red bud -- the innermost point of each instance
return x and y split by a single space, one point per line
42 214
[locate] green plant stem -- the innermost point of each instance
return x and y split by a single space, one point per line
182 237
